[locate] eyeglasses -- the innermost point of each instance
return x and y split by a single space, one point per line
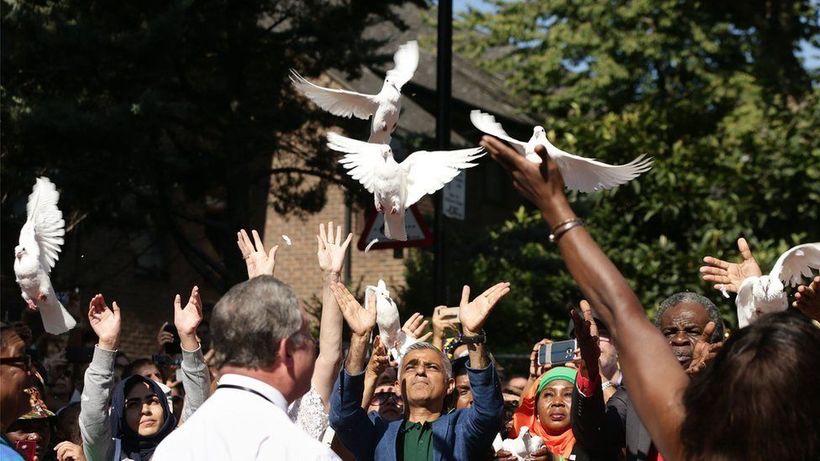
380 398
23 362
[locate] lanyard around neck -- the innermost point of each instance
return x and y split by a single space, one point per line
246 389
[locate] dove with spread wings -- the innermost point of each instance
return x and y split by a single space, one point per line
761 295
384 107
579 173
38 250
396 186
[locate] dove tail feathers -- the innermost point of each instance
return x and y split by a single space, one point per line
56 319
394 226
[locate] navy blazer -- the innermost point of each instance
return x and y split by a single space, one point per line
459 435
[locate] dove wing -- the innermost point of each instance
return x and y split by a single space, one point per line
745 301
487 124
587 175
47 221
361 159
797 263
428 172
338 102
406 59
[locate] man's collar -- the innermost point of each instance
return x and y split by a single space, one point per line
252 383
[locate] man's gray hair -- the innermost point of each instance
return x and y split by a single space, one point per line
249 321
694 298
420 346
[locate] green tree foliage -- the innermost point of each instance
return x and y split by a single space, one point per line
731 124
173 114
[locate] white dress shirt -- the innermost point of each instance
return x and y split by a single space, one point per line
239 424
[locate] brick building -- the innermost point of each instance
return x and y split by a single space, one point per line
144 272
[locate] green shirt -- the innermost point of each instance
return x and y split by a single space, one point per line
416 441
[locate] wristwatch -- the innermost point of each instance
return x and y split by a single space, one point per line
480 338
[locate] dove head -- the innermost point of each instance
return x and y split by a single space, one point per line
387 153
539 131
19 251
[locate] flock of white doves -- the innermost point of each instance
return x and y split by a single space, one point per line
395 186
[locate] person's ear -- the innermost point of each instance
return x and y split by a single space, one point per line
285 350
451 385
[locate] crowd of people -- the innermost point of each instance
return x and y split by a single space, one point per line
251 382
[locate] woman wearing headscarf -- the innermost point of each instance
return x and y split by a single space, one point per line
545 407
140 415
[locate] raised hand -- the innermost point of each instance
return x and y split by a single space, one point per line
331 252
105 322
729 276
257 261
187 319
379 360
807 299
474 313
164 337
360 320
537 370
414 327
704 351
586 333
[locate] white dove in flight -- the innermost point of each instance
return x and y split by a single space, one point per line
384 107
387 318
397 186
760 295
36 254
579 173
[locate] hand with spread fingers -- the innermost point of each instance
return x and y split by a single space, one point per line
807 299
105 321
473 314
379 360
586 334
360 320
332 249
256 259
187 319
414 327
704 351
729 276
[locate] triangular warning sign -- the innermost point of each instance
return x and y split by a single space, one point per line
418 234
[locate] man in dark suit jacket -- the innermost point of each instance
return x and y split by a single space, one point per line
425 374
682 319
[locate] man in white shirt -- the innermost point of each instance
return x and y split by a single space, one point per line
265 356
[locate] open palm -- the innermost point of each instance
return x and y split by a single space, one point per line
730 275
105 321
331 252
474 313
258 262
360 320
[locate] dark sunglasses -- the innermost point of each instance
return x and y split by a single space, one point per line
23 361
382 397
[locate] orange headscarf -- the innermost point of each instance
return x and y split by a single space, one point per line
527 415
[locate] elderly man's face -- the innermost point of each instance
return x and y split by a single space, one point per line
681 325
423 377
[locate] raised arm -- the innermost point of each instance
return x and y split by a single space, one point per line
348 419
331 255
645 355
95 427
484 417
196 379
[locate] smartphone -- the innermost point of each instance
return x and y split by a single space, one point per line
172 347
557 353
27 448
450 313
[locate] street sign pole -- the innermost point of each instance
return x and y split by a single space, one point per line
444 69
